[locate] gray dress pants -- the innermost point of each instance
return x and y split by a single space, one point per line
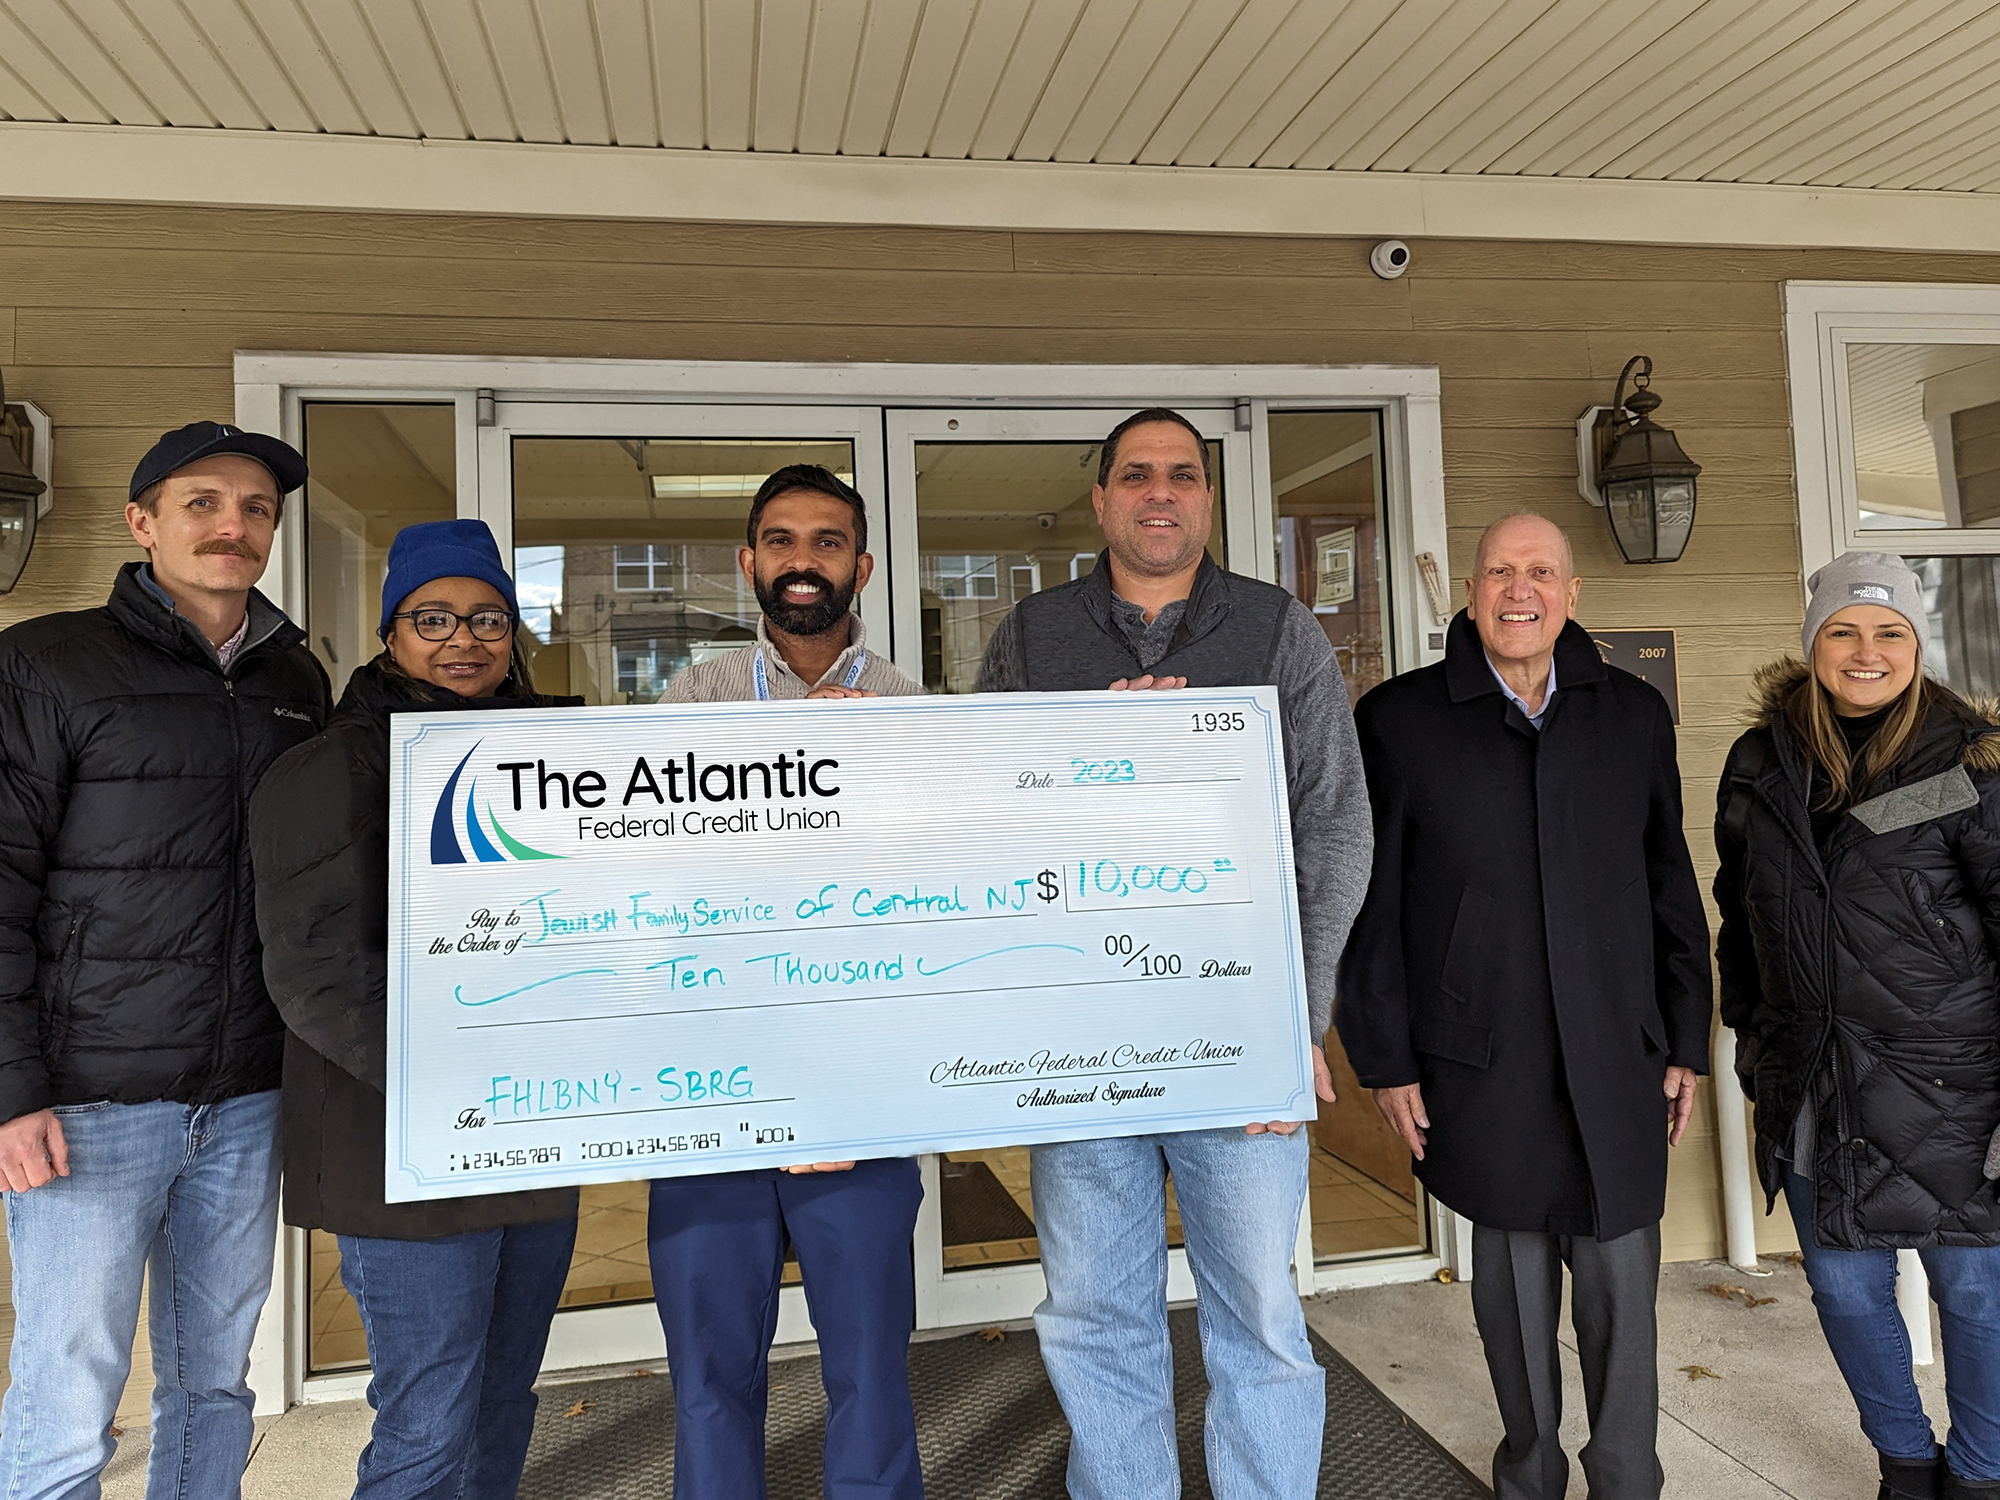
1517 1300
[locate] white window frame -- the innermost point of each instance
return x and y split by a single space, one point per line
968 575
1822 320
271 392
653 564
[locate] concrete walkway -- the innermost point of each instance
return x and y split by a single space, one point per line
1774 1421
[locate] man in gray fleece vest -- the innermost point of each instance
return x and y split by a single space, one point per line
1156 612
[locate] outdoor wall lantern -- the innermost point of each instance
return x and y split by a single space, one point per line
24 483
1635 471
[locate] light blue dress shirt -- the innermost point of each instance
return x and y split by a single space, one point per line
1521 703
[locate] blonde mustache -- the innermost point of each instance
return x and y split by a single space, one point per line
228 549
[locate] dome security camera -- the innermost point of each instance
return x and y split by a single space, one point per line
1046 520
1389 259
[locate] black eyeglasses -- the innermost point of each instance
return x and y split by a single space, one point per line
442 624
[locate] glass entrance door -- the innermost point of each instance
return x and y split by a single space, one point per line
1327 490
622 517
625 522
987 507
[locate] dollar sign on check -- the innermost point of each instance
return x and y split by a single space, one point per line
1045 884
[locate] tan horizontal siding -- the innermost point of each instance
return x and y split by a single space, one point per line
1712 401
197 279
540 241
1729 497
1550 450
122 321
1569 303
163 337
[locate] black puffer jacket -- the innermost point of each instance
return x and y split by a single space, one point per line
1864 981
129 963
319 831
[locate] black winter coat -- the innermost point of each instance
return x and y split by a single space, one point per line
319 830
1865 980
129 963
1533 949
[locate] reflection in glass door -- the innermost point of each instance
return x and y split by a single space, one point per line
376 468
626 553
997 521
1326 482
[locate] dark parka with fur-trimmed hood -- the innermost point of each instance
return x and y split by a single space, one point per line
1864 980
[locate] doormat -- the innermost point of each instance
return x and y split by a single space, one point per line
977 1209
988 1427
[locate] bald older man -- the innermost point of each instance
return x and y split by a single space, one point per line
1527 992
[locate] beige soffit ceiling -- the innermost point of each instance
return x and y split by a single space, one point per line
1827 95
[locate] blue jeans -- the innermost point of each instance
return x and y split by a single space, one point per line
1100 1209
717 1245
456 1329
1854 1292
192 1192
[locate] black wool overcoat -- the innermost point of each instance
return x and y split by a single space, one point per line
1533 949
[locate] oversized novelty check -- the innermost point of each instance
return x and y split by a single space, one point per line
647 941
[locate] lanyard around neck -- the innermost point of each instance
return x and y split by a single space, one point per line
758 671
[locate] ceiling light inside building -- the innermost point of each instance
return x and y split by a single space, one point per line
716 486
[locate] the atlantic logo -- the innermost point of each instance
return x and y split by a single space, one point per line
688 797
445 847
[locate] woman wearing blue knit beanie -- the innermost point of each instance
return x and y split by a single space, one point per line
1859 834
456 1295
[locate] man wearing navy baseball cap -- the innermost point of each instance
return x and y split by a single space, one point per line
139 1050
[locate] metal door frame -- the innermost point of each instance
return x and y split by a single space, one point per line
882 409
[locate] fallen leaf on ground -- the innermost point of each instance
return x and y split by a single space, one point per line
644 1374
1445 1276
578 1408
993 1335
118 1432
1699 1372
1730 1293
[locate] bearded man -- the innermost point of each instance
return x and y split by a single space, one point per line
807 557
717 1243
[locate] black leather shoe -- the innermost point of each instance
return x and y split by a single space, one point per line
1966 1489
1918 1479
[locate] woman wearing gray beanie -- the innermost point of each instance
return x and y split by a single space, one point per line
1858 825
